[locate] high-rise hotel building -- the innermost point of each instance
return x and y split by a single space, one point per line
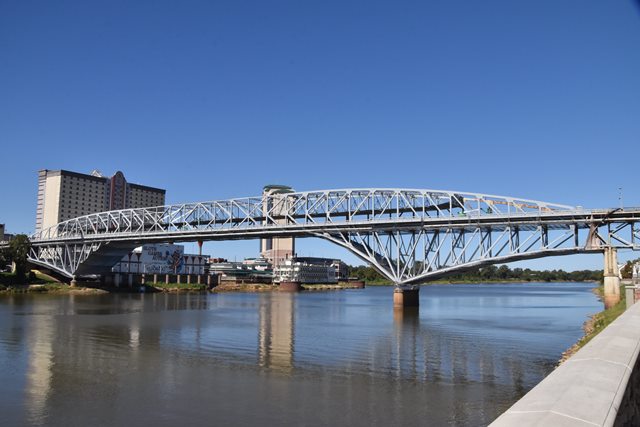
64 195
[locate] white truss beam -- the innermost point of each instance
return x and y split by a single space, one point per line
408 235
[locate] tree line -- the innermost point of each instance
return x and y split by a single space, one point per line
494 273
17 253
627 270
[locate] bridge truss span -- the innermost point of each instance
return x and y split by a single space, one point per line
409 235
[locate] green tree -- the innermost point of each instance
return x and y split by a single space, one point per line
627 270
19 248
4 257
503 272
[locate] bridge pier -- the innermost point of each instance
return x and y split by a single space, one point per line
406 297
611 277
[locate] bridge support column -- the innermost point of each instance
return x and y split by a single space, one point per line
406 297
74 282
611 277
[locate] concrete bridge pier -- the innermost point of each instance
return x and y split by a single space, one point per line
611 277
406 296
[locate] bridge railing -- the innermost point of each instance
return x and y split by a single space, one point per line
295 209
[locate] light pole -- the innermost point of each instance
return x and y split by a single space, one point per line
620 197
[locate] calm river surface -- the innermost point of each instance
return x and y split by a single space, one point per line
338 358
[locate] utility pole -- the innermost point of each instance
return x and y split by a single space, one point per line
620 197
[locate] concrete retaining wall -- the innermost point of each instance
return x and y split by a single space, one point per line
599 385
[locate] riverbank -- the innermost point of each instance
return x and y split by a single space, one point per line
244 287
174 287
50 288
262 287
62 289
39 283
597 322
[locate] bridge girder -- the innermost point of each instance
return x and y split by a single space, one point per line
408 235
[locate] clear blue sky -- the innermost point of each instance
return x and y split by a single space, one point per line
214 99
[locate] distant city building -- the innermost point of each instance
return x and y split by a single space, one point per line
258 264
63 195
277 249
3 235
342 270
161 259
251 269
309 270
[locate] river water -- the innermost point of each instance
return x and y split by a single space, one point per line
338 358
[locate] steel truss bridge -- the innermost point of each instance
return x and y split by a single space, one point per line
409 236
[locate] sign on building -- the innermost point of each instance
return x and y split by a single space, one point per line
153 259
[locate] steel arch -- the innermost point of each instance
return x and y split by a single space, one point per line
409 235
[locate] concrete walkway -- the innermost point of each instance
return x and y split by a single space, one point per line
592 387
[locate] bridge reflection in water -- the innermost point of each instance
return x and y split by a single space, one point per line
315 358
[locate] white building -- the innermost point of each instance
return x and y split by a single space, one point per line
306 270
258 264
342 269
161 259
253 269
64 195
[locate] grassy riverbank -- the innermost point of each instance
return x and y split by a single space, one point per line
34 278
244 287
176 287
39 283
329 286
598 321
